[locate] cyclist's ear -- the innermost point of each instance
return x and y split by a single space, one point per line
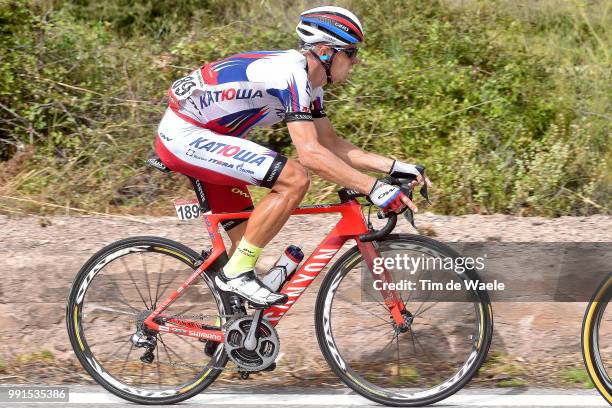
324 51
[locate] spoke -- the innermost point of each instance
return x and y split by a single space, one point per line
413 343
121 346
121 297
384 306
109 309
382 324
421 305
113 340
418 280
141 374
127 357
159 375
169 358
360 329
146 274
134 282
185 340
360 307
182 313
124 302
168 284
373 294
422 348
398 355
175 353
426 309
390 341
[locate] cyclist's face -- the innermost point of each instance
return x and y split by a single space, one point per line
341 66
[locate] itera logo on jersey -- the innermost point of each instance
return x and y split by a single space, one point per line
224 149
227 95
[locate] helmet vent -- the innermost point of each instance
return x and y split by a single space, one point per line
301 30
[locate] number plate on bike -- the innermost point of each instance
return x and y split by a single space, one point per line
187 209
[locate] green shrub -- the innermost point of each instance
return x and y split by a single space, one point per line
507 104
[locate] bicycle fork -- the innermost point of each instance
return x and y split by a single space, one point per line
393 301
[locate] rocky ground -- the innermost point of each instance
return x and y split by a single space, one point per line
534 343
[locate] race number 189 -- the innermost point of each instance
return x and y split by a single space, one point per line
187 209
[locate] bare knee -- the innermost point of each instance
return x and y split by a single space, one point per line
294 179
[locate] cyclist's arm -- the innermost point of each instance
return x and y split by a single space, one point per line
318 158
351 154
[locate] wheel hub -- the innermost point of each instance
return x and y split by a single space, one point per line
408 320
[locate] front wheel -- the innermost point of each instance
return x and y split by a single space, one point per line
444 345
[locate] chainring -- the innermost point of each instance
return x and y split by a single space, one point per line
268 344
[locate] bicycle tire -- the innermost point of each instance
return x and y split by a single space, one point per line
81 348
350 377
590 339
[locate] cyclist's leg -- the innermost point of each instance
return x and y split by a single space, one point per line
290 188
229 199
266 220
272 212
235 235
227 160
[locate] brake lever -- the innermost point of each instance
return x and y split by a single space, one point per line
408 214
423 191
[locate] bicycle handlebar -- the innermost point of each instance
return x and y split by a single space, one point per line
381 233
404 183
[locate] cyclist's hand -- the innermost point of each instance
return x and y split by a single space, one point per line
403 170
390 198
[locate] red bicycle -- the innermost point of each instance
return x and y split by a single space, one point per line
394 345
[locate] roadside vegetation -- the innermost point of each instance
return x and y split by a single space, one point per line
507 103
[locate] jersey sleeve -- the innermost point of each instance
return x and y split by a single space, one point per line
316 106
296 97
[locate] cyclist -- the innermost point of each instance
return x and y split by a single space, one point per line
202 134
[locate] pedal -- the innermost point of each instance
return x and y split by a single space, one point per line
256 307
244 375
236 305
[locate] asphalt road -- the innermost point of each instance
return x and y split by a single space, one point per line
92 397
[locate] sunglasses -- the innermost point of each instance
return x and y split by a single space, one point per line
350 52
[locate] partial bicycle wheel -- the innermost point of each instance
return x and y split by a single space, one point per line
110 298
597 339
444 345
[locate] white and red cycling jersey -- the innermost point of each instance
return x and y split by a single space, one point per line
211 111
257 88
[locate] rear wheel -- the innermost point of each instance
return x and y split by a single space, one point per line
597 339
110 298
442 348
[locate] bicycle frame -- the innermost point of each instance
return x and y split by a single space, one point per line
350 226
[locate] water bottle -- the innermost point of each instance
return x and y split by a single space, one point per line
283 268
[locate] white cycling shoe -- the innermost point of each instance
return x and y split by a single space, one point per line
248 286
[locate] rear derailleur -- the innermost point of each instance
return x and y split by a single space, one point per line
144 337
142 340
